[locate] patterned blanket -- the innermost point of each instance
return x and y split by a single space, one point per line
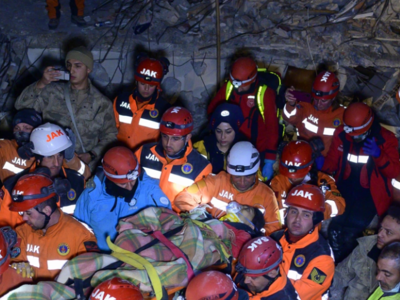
204 244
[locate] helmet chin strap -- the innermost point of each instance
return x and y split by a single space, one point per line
181 152
46 218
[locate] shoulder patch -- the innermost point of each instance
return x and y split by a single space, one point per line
91 246
317 276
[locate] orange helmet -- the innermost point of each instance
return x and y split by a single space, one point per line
259 256
176 121
326 86
31 190
306 196
357 119
243 72
8 238
296 159
120 165
212 285
117 289
150 71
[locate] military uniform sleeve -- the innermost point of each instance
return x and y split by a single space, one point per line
316 278
108 133
345 272
217 100
30 98
198 193
335 204
76 164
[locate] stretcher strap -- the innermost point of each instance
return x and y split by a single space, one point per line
140 263
175 250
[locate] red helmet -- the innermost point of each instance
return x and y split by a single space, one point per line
211 285
120 165
149 71
243 72
117 289
8 239
357 119
326 86
177 121
31 190
259 256
306 196
296 159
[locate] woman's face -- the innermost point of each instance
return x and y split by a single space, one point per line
225 134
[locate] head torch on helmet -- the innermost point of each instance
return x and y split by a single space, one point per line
237 83
131 175
349 129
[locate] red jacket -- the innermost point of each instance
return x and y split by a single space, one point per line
377 173
263 134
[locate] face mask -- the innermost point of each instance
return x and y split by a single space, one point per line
22 137
360 138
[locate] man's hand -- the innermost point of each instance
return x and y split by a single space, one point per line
85 157
290 98
50 74
371 148
24 269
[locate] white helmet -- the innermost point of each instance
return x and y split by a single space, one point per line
243 159
49 139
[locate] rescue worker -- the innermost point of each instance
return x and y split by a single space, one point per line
116 289
239 184
138 114
388 273
118 190
254 91
296 166
49 238
93 120
53 149
355 276
172 160
224 124
260 272
11 163
364 158
320 118
213 285
9 277
306 254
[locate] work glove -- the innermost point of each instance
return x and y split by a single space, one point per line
371 148
267 170
319 162
70 151
25 151
24 269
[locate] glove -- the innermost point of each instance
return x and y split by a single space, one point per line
25 151
24 269
70 151
371 148
319 161
267 170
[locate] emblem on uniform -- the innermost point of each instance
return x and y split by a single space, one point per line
187 168
317 276
250 102
132 202
336 122
63 249
164 200
154 113
71 195
299 260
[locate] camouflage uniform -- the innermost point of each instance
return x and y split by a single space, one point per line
93 114
355 276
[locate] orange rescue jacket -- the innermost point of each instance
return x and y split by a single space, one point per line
308 264
311 122
137 126
218 191
334 202
11 280
177 174
48 252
